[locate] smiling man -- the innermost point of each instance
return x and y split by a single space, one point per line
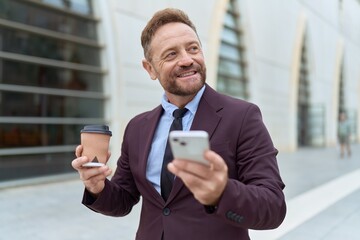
241 188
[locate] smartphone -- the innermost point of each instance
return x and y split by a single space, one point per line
93 164
189 145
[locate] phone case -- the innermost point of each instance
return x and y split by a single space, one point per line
189 145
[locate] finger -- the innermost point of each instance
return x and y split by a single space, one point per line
94 172
189 179
96 183
78 150
105 170
78 162
93 180
108 172
207 185
201 188
194 168
216 161
96 176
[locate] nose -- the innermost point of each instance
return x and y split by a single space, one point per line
185 59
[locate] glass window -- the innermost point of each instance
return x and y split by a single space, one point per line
230 52
35 135
20 42
25 74
14 167
230 36
57 3
28 13
43 106
231 86
231 70
304 123
230 20
80 6
342 107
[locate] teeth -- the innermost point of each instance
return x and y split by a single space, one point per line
186 74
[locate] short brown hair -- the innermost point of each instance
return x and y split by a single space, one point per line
160 18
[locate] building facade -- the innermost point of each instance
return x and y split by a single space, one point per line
65 64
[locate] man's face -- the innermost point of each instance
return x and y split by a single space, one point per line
177 60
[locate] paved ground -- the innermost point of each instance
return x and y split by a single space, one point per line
323 195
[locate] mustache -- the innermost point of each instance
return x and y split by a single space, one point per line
193 67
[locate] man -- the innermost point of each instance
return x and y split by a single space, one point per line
241 189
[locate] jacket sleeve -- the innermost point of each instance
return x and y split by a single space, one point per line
120 194
253 197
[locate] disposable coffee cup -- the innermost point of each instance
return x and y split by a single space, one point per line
95 141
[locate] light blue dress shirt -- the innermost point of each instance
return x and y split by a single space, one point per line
155 159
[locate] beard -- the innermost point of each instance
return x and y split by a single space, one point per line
174 87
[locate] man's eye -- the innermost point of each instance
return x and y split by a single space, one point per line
171 55
194 49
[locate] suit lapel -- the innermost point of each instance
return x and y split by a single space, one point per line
207 117
147 131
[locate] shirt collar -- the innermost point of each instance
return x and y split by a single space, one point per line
191 106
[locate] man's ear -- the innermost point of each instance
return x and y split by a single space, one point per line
149 68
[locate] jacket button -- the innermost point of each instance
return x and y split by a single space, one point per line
239 219
234 217
230 215
166 211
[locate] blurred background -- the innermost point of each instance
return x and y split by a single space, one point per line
68 63
64 64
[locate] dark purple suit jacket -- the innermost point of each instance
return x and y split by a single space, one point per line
253 197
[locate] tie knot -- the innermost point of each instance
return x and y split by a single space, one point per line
179 113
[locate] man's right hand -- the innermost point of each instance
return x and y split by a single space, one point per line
92 177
